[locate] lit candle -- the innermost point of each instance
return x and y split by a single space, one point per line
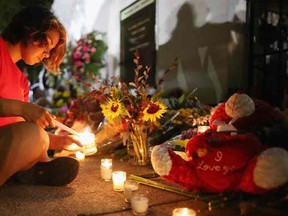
88 141
80 156
118 178
106 169
184 212
139 203
202 129
129 186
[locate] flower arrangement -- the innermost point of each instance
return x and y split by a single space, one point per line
118 103
87 57
129 108
136 104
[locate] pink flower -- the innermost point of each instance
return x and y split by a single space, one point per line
85 48
76 56
87 60
78 63
93 49
86 55
79 42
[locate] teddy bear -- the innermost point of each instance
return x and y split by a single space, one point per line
222 162
231 156
253 115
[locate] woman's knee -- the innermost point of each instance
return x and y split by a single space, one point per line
27 137
37 136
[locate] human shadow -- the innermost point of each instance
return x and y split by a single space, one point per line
208 57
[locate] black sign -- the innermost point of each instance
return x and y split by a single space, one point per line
138 34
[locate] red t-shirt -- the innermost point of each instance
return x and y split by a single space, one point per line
13 83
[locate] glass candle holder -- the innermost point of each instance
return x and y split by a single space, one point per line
129 187
88 141
118 178
80 156
183 212
139 203
106 169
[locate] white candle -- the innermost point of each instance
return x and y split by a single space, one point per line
183 212
64 127
106 169
118 178
202 129
139 203
129 186
80 156
87 139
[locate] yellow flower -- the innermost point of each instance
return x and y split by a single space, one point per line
153 111
113 109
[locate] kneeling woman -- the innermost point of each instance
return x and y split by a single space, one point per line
34 35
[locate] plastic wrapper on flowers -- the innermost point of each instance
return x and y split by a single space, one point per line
110 132
175 122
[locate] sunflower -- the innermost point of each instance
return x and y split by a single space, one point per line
154 110
113 109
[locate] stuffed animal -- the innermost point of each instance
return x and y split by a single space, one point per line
220 162
244 150
253 115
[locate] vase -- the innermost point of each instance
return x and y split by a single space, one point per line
137 145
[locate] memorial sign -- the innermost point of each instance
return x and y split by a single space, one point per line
138 34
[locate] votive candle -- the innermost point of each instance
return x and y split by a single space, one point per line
184 212
139 203
80 156
87 139
106 169
118 178
130 186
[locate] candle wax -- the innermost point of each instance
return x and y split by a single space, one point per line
183 212
118 178
106 169
139 204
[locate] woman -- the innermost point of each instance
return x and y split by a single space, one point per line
34 35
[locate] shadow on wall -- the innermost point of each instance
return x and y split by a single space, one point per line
211 57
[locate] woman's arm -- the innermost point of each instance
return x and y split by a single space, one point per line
29 111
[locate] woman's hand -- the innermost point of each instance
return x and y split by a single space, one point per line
29 111
35 113
64 142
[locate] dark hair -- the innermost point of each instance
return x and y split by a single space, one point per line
32 24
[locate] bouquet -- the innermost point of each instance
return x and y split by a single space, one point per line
137 104
87 57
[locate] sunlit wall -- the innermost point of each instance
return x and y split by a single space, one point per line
206 35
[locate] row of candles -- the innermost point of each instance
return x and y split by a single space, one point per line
139 201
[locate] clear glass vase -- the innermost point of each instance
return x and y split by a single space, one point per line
137 145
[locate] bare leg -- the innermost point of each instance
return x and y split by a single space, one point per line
21 146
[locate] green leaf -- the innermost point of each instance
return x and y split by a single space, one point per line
182 98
